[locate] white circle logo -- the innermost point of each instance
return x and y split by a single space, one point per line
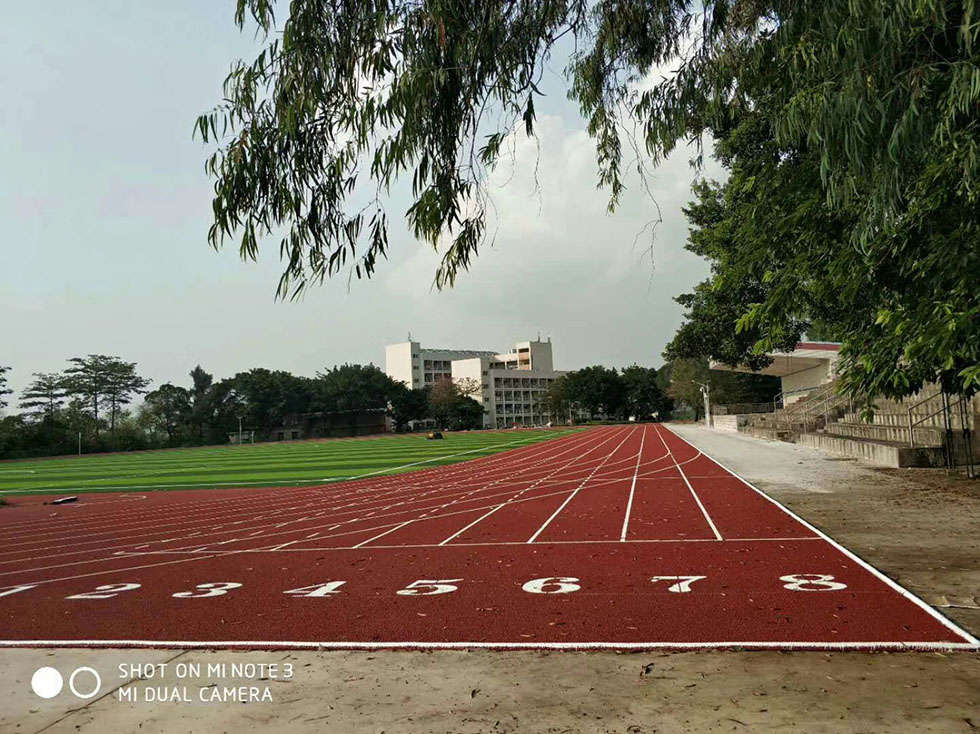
47 682
95 688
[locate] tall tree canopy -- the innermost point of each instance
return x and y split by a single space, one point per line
4 390
44 396
100 379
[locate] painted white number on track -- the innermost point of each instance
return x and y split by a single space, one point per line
683 585
330 587
205 590
429 587
552 585
811 582
14 590
105 592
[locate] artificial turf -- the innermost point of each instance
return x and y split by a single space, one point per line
265 464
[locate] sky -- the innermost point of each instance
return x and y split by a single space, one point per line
105 207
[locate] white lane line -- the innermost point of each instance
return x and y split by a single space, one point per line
576 490
629 504
456 496
380 535
456 499
946 622
693 493
538 482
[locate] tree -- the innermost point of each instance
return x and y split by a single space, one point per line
354 387
201 384
468 386
686 377
597 389
100 378
466 414
642 396
45 396
89 379
4 390
443 395
123 385
168 408
408 405
555 400
451 407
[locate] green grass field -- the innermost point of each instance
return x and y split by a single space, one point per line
295 464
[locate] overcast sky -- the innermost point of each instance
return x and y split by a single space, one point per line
104 210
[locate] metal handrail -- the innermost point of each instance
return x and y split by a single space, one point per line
946 408
832 400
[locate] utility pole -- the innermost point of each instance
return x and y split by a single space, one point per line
79 443
239 430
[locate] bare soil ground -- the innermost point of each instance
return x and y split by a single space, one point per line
918 526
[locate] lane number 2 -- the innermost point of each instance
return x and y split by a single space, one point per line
106 591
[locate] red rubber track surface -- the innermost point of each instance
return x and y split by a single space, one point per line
619 536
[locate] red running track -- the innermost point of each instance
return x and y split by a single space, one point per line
621 536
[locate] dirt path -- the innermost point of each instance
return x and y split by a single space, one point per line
916 526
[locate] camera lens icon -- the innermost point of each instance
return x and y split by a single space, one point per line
47 682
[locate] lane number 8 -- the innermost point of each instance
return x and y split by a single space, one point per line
811 582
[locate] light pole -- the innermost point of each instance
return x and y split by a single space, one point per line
239 430
706 393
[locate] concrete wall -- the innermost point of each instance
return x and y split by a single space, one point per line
812 377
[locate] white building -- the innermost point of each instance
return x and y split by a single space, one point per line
512 384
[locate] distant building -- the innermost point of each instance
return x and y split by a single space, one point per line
512 384
800 371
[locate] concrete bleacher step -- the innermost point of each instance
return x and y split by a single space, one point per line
926 435
772 434
902 419
881 453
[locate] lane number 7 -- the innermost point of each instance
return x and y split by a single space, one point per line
683 584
